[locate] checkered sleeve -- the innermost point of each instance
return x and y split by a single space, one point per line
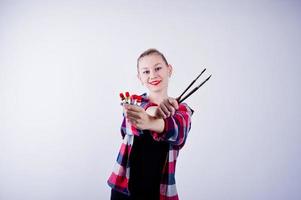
176 127
122 127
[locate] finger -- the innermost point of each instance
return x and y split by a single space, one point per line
132 120
172 110
133 123
160 113
133 114
133 108
163 110
173 102
170 107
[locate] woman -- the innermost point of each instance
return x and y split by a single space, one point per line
153 133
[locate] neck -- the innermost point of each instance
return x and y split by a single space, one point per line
157 97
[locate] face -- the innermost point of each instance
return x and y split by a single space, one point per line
154 73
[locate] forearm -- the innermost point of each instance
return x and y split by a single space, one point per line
156 125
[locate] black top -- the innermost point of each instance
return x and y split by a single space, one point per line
146 164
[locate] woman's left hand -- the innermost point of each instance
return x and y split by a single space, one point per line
167 108
137 116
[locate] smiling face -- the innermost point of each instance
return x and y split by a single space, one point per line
154 73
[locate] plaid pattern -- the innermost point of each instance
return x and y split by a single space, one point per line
175 133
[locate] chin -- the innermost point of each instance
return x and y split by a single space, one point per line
155 89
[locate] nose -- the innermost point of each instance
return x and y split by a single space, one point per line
153 74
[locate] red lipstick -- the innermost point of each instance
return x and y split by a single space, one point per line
155 82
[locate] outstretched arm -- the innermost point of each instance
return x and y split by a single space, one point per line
176 125
140 119
173 129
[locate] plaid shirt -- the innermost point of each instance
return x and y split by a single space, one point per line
175 133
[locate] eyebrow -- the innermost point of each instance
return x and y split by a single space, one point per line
153 66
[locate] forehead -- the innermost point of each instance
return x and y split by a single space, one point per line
150 60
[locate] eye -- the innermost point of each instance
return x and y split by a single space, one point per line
158 68
146 72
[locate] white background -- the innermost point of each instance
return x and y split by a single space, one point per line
63 64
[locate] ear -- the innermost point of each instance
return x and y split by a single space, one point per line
170 70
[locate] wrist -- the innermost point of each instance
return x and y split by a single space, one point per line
156 124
